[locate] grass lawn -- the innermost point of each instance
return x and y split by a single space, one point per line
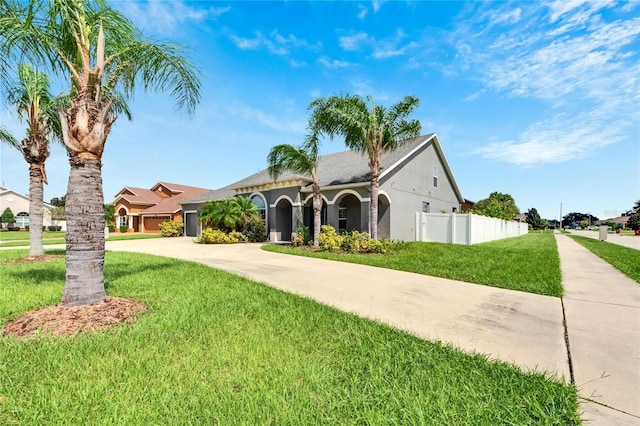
215 348
528 263
24 235
625 259
60 239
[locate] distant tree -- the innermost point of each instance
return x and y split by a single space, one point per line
575 217
534 219
634 221
110 214
7 216
58 202
499 205
58 213
584 224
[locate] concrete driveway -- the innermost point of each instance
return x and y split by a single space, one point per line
601 308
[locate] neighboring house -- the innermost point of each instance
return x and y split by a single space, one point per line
416 177
142 210
621 221
19 205
466 206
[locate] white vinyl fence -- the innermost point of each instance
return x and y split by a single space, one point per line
466 229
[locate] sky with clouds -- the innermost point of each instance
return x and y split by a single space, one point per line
540 100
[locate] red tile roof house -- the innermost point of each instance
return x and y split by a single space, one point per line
142 210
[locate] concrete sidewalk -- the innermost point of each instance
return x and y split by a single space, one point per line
602 309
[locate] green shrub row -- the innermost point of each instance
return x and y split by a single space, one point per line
216 236
351 242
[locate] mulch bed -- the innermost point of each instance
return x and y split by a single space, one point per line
33 259
60 320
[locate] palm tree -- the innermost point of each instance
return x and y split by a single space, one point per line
372 131
106 56
224 214
300 159
7 137
35 105
247 208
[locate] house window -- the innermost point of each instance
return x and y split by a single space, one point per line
22 220
262 209
342 218
425 207
122 221
454 209
435 176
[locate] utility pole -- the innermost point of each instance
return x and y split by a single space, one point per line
560 215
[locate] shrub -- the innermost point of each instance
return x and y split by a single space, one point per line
26 228
373 246
305 235
213 236
351 241
328 239
124 229
112 228
634 221
54 228
236 237
7 216
171 228
255 229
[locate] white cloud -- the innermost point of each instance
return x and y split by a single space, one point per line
333 63
584 67
275 43
165 16
354 42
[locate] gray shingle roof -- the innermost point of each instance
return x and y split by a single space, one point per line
337 169
333 169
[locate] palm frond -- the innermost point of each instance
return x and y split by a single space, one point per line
7 137
288 157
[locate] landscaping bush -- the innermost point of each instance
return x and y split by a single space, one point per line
329 239
237 237
255 229
351 241
171 229
53 228
112 228
213 236
305 233
124 229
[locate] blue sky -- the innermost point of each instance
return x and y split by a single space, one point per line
540 100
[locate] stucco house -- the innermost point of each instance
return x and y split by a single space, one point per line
19 205
142 210
416 177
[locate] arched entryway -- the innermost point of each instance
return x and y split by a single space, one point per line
349 213
283 220
308 214
384 216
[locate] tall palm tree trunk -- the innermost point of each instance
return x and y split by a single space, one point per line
36 179
317 210
375 188
85 233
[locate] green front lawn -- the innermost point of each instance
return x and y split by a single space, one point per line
625 259
528 263
24 235
50 241
215 348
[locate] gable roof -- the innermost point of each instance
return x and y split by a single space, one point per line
342 168
4 191
159 205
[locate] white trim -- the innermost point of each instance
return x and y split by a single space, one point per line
352 192
266 206
337 187
382 192
310 196
125 209
285 197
